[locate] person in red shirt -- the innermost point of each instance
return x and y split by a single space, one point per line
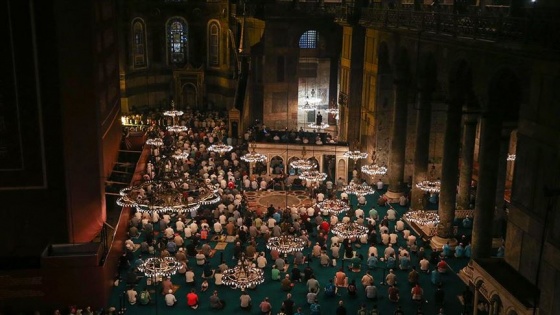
325 226
192 299
442 266
265 306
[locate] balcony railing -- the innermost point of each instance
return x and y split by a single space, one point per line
492 27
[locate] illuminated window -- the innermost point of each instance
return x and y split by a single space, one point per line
138 43
177 40
309 40
213 44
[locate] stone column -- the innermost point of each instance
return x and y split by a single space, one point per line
491 127
467 159
449 173
499 211
475 301
421 154
398 139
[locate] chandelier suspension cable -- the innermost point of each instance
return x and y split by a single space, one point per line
432 184
374 168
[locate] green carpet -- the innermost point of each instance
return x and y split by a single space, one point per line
452 285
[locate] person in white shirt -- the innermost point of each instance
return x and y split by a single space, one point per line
406 234
385 238
261 261
132 295
359 213
399 226
372 250
393 238
218 277
389 251
334 220
271 222
320 197
188 232
424 265
411 240
223 219
194 227
179 225
170 299
380 184
169 233
310 211
189 277
362 200
217 227
391 214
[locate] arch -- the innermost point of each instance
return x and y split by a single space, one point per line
291 170
138 43
177 40
341 169
309 40
511 311
189 95
276 165
213 43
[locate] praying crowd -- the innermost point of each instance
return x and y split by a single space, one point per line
345 270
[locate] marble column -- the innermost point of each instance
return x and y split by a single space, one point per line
398 139
421 154
467 159
490 135
449 172
499 213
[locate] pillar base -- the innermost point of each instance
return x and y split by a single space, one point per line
438 242
393 196
466 274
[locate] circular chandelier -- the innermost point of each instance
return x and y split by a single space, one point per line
220 148
374 169
253 156
359 190
422 217
156 142
285 244
355 155
333 111
313 176
244 275
430 186
318 126
163 196
333 206
302 164
155 267
173 112
184 155
177 128
511 157
349 230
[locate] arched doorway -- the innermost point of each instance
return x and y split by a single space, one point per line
276 165
189 95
